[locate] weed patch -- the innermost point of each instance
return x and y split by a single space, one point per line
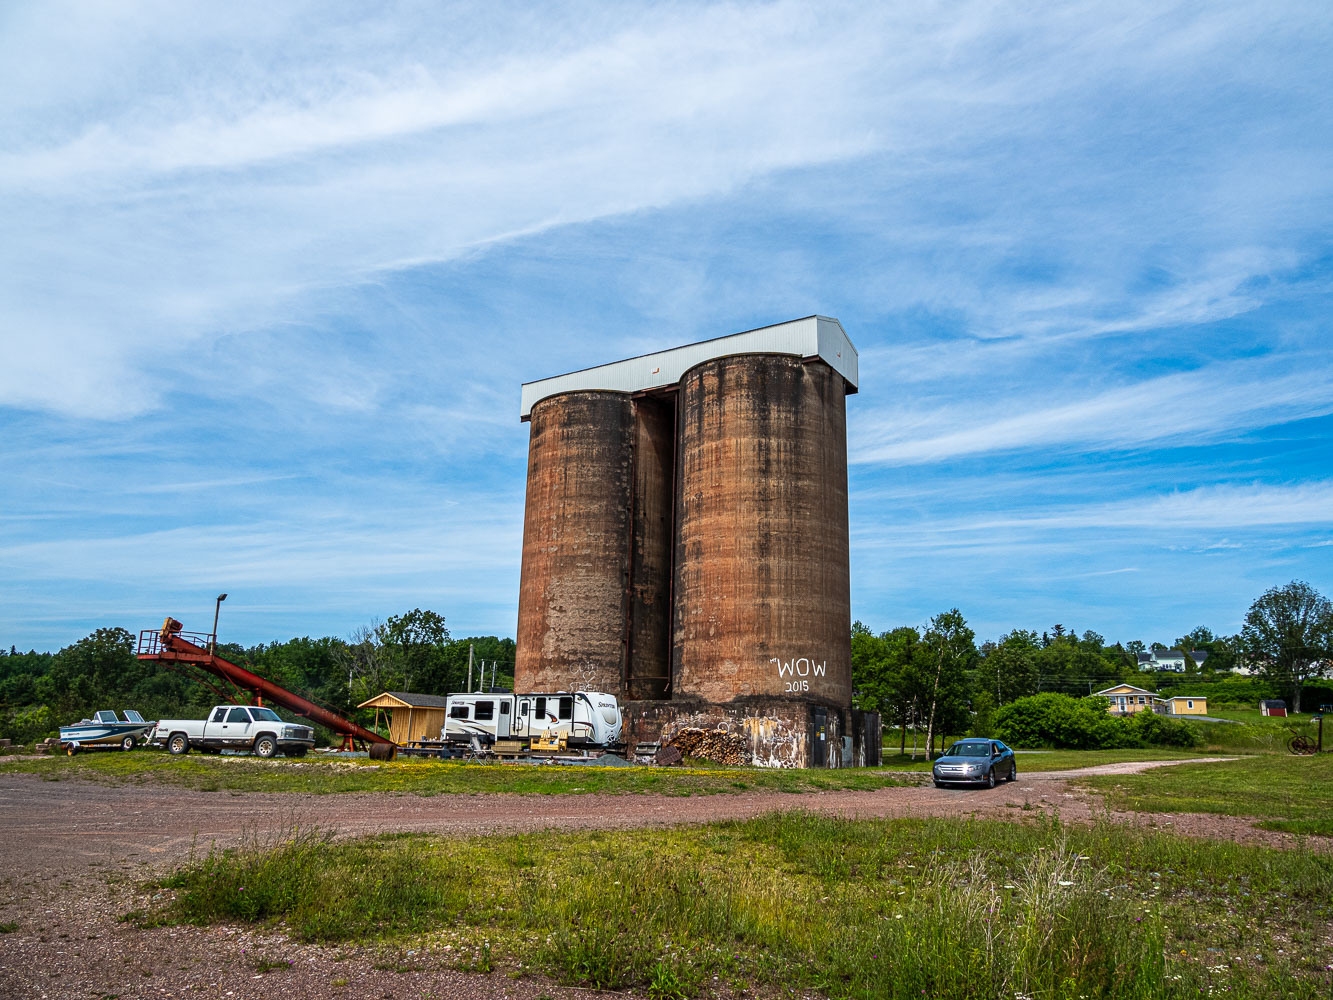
854 909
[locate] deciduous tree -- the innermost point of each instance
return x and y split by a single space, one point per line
1288 633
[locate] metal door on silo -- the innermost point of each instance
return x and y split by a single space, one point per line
819 736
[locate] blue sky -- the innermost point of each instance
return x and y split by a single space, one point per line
272 274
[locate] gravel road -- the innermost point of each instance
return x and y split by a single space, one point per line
73 853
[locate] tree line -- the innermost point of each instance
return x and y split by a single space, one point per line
413 651
936 677
925 679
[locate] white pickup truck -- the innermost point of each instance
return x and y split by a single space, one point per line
235 727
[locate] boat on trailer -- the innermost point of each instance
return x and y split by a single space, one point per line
106 731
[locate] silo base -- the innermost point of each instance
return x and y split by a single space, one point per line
762 732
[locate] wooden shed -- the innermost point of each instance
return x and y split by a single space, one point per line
411 716
1186 704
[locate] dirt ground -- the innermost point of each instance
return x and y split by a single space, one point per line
73 853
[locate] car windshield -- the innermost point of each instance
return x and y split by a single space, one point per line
968 750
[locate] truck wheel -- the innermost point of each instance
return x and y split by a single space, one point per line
178 745
127 743
266 746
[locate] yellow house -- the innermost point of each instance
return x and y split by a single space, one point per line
1185 704
412 717
1126 699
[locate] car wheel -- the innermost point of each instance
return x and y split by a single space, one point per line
178 745
990 778
1013 771
266 746
127 743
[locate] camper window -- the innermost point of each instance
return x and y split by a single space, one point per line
566 708
541 707
458 712
504 708
485 710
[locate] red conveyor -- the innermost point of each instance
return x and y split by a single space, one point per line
169 647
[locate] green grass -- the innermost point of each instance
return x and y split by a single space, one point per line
1255 734
853 909
432 777
1290 793
1055 760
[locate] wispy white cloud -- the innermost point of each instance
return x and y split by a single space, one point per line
1188 516
219 194
271 276
1191 407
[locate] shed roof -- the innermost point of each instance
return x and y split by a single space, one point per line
813 336
404 699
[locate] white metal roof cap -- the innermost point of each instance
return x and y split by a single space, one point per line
812 337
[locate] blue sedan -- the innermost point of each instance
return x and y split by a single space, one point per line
975 762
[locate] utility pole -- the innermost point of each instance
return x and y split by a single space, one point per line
217 607
469 666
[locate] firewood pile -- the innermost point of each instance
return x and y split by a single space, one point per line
711 744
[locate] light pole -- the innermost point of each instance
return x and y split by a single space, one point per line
217 608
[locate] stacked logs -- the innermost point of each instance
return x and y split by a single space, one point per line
716 745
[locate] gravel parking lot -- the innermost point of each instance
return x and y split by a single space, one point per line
75 853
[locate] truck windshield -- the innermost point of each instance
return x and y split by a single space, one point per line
265 715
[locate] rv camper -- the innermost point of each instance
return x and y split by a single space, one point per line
584 718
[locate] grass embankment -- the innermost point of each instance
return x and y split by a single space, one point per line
1294 794
902 908
1254 734
433 777
1036 761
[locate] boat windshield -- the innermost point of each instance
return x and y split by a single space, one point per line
133 716
264 715
105 717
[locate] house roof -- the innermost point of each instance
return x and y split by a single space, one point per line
1126 689
405 699
1184 697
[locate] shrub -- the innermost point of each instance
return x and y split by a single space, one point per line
1067 723
1063 722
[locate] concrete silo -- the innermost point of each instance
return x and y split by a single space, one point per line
761 602
686 542
572 598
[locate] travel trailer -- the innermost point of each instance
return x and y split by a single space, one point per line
584 718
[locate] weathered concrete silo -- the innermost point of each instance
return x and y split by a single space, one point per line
761 601
686 542
572 598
